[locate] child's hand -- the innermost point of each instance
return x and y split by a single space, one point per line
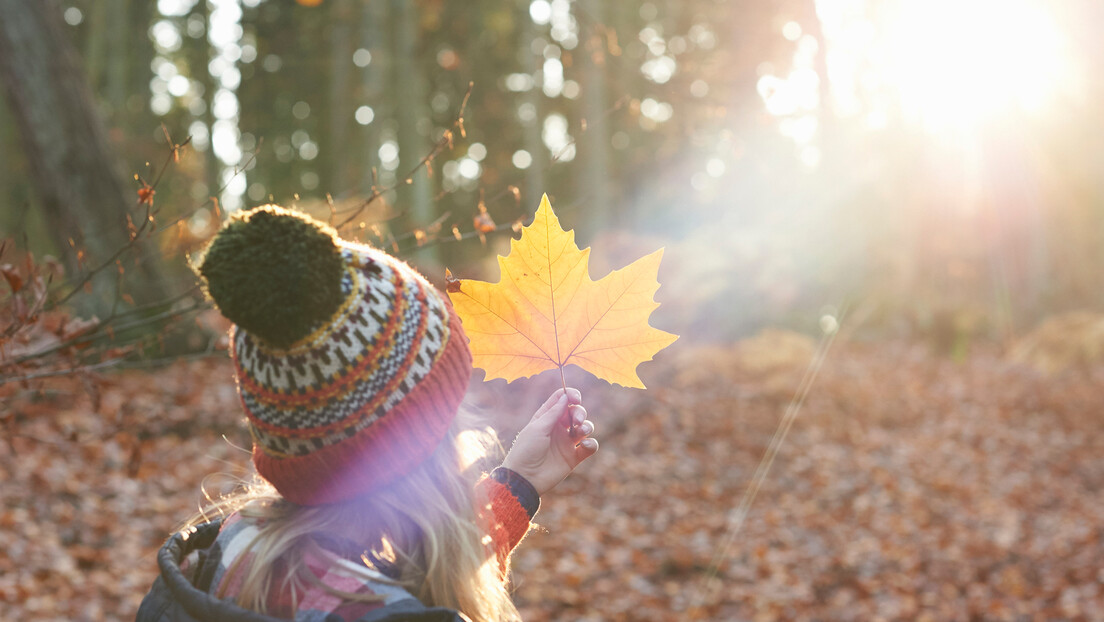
554 441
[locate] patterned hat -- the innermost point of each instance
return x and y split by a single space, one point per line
349 364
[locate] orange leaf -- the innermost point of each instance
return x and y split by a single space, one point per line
546 312
483 222
145 194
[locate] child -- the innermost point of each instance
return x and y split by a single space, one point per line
351 369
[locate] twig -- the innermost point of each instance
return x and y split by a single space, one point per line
94 333
118 363
238 170
131 243
53 373
438 147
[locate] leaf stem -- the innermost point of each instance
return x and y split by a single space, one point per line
563 380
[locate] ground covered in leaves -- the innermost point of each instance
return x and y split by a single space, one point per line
911 487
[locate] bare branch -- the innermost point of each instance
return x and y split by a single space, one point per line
442 143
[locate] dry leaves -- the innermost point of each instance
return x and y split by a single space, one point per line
910 488
95 473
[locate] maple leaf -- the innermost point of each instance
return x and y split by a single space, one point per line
546 312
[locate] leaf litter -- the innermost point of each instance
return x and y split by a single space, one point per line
910 488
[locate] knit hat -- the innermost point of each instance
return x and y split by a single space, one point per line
349 364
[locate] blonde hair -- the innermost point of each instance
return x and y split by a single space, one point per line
423 525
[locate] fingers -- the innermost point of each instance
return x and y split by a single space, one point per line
573 397
583 430
577 415
557 402
585 449
576 450
579 443
551 401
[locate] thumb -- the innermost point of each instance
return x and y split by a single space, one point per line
545 419
553 407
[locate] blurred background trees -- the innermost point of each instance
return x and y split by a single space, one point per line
81 198
933 165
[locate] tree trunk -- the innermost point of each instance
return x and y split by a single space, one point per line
199 56
97 42
82 195
115 90
374 78
335 178
594 143
415 198
534 175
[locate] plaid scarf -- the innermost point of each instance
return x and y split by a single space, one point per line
509 505
338 570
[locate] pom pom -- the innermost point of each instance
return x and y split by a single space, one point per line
275 273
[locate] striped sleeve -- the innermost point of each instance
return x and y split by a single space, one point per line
508 504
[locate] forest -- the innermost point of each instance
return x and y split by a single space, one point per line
882 225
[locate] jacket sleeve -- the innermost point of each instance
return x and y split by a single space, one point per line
507 505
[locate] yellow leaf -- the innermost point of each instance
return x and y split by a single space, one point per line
546 312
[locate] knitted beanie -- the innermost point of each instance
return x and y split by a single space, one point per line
349 364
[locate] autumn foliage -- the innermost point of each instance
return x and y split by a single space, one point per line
911 488
946 464
546 312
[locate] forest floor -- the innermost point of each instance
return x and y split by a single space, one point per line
911 487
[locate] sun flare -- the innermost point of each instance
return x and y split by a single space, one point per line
947 64
955 61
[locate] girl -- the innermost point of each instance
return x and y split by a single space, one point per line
370 506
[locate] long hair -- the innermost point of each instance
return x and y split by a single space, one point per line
423 525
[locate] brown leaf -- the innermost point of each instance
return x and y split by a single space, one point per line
483 222
145 194
11 275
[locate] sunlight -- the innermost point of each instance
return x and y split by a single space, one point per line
953 63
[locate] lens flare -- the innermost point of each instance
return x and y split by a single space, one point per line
948 63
